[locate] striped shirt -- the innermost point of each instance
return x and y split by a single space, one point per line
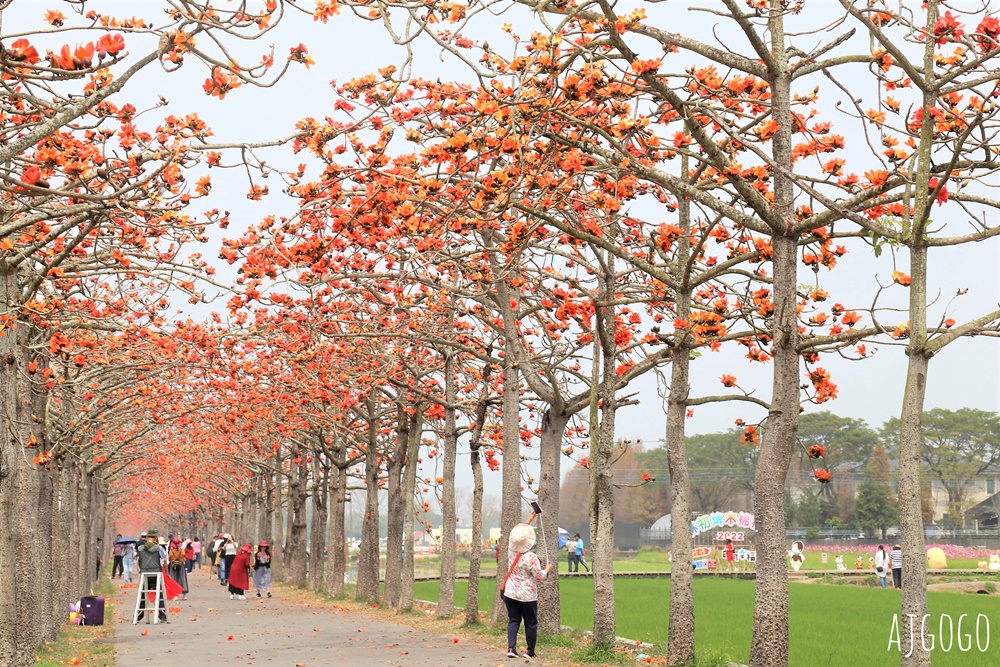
896 558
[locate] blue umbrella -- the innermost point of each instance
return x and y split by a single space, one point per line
563 537
126 540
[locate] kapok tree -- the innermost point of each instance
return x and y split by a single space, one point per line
940 63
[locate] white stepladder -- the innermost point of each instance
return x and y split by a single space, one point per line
159 597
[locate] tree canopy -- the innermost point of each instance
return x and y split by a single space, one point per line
485 266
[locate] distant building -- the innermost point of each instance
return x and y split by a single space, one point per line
985 514
847 481
981 499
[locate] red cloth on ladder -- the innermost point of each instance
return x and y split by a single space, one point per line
173 590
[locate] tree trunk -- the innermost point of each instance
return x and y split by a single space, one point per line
10 462
409 494
550 454
397 507
248 520
99 512
602 484
770 630
278 522
239 528
45 568
446 596
297 494
368 566
20 488
85 573
913 603
680 640
769 645
62 534
254 514
510 504
476 548
318 528
267 515
50 619
73 489
98 528
337 562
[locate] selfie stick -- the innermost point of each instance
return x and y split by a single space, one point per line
541 524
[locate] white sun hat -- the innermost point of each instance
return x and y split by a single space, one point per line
522 538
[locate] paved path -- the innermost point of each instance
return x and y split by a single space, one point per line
211 629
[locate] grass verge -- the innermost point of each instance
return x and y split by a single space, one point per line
82 645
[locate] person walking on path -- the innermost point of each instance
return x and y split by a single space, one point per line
262 569
881 565
520 588
209 555
188 556
896 560
729 551
150 564
196 548
580 553
571 555
212 554
229 550
128 561
220 567
99 550
176 565
116 554
239 572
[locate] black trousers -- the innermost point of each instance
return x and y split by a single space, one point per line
516 612
897 577
117 567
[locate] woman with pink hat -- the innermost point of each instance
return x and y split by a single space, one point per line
262 568
520 589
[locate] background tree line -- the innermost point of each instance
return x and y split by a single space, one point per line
961 448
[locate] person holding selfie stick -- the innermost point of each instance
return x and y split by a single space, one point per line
520 588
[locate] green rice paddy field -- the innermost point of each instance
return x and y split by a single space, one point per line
657 561
839 625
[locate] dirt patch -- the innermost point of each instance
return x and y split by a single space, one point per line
975 587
